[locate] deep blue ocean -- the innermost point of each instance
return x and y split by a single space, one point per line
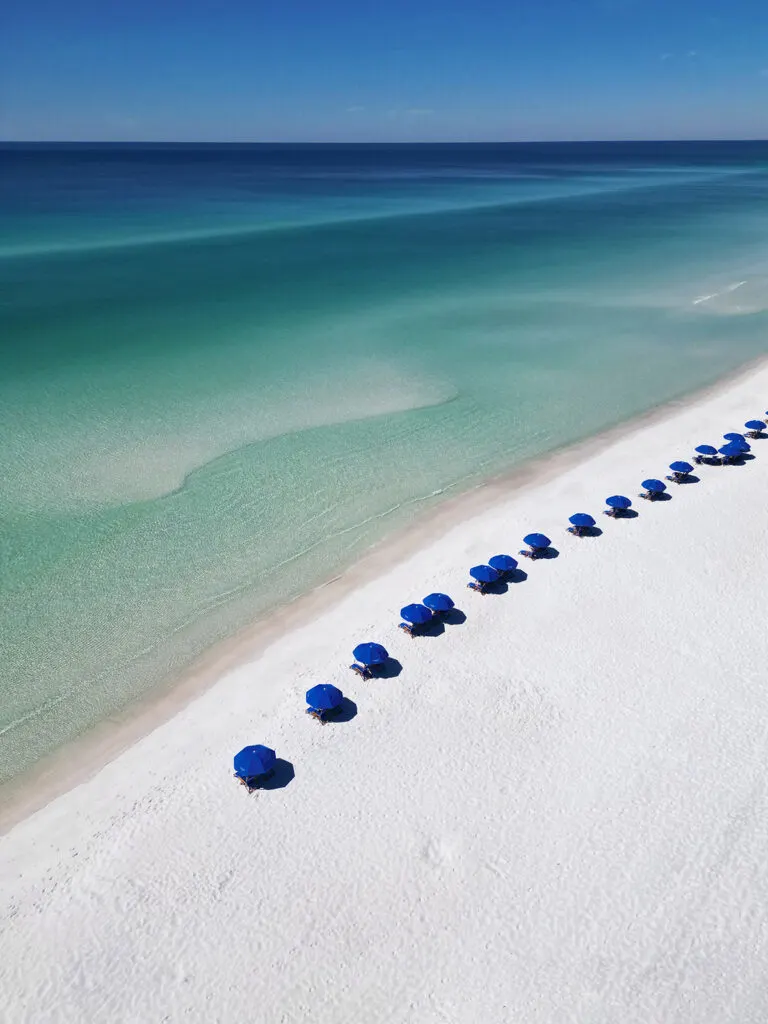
228 370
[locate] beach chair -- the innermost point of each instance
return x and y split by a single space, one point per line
533 553
577 531
706 460
476 585
362 670
650 495
408 628
252 782
677 478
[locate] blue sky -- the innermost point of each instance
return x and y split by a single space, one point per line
368 70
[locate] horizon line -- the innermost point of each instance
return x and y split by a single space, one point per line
371 142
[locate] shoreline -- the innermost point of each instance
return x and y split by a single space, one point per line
82 758
551 805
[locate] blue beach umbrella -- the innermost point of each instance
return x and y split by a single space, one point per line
706 449
755 425
324 697
256 760
484 573
370 654
416 614
537 540
733 436
741 444
681 467
732 449
654 485
438 602
503 563
618 501
581 519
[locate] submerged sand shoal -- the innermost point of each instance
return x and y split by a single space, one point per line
555 811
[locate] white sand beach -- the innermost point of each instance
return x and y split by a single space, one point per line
557 811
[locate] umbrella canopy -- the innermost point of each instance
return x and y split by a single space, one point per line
754 425
370 654
654 485
438 602
733 436
537 540
324 697
618 501
706 449
256 760
503 563
581 519
732 449
484 573
681 467
416 614
741 444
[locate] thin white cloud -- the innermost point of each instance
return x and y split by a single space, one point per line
355 110
763 73
672 56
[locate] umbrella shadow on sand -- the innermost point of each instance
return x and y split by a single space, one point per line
546 553
345 712
281 776
510 579
497 587
388 670
455 617
436 627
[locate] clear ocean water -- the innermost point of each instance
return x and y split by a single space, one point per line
227 370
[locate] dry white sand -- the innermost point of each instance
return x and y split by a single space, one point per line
558 811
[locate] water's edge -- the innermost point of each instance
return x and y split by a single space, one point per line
78 760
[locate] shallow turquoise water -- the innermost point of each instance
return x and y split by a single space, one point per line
228 371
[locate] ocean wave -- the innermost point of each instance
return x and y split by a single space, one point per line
739 298
399 211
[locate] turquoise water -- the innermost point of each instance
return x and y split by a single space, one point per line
229 370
